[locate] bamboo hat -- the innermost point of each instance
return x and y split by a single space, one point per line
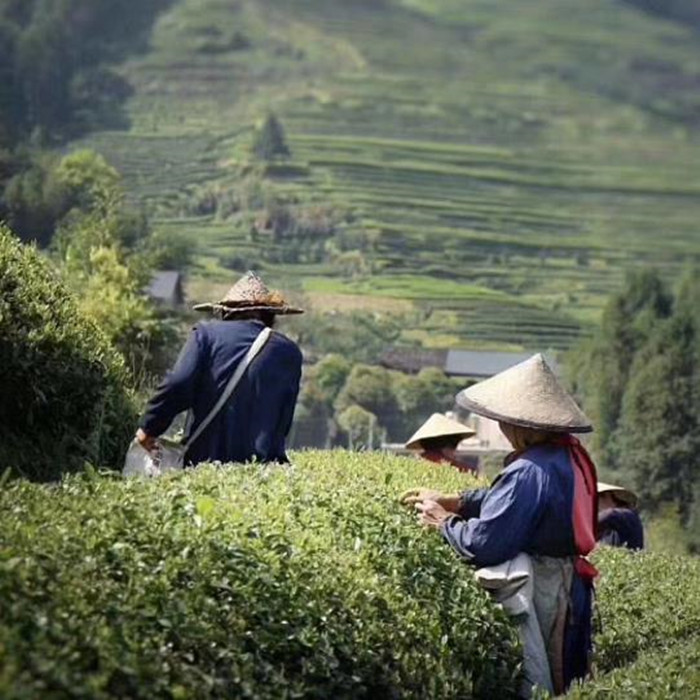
629 498
438 426
527 395
250 293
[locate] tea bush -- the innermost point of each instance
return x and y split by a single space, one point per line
646 601
670 673
63 399
266 582
275 582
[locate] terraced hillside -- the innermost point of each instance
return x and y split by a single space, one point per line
497 164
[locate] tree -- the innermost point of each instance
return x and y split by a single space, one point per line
103 250
331 373
29 211
372 389
66 396
86 181
599 369
657 439
171 250
421 395
360 426
644 371
269 141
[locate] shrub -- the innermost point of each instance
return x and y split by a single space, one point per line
63 398
646 601
265 582
671 673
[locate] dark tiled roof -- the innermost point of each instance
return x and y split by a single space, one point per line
479 363
412 359
166 286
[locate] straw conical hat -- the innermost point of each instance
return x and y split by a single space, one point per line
438 426
250 293
621 493
527 395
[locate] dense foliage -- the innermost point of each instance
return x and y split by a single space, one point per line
286 582
648 644
362 405
105 251
646 602
668 673
267 582
53 56
56 82
64 399
639 380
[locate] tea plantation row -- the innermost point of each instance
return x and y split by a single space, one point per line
272 582
242 582
659 675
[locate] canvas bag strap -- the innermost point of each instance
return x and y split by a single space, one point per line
236 377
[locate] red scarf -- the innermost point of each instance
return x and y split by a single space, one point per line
585 506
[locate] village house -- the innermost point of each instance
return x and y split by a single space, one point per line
166 289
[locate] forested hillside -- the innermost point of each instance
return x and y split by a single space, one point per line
483 171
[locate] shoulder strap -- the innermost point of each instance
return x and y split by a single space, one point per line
236 377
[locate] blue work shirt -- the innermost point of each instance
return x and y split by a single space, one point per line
621 527
256 419
529 508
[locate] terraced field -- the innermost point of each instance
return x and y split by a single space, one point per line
497 164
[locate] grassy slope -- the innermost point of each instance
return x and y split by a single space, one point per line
509 160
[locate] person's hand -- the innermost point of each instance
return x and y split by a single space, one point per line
431 513
149 443
417 495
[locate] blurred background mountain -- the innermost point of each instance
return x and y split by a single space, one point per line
484 172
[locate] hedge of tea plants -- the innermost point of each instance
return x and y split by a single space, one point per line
63 400
232 582
646 603
648 637
274 582
659 675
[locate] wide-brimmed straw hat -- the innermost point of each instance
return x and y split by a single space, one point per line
629 498
438 426
250 293
528 395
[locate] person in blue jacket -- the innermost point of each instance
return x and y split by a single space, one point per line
543 504
619 524
256 419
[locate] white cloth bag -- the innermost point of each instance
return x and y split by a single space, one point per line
512 585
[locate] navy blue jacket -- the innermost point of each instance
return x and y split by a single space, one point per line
620 527
529 508
256 419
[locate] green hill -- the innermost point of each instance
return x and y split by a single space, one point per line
498 164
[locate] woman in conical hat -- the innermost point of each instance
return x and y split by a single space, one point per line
543 504
619 524
437 440
254 421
